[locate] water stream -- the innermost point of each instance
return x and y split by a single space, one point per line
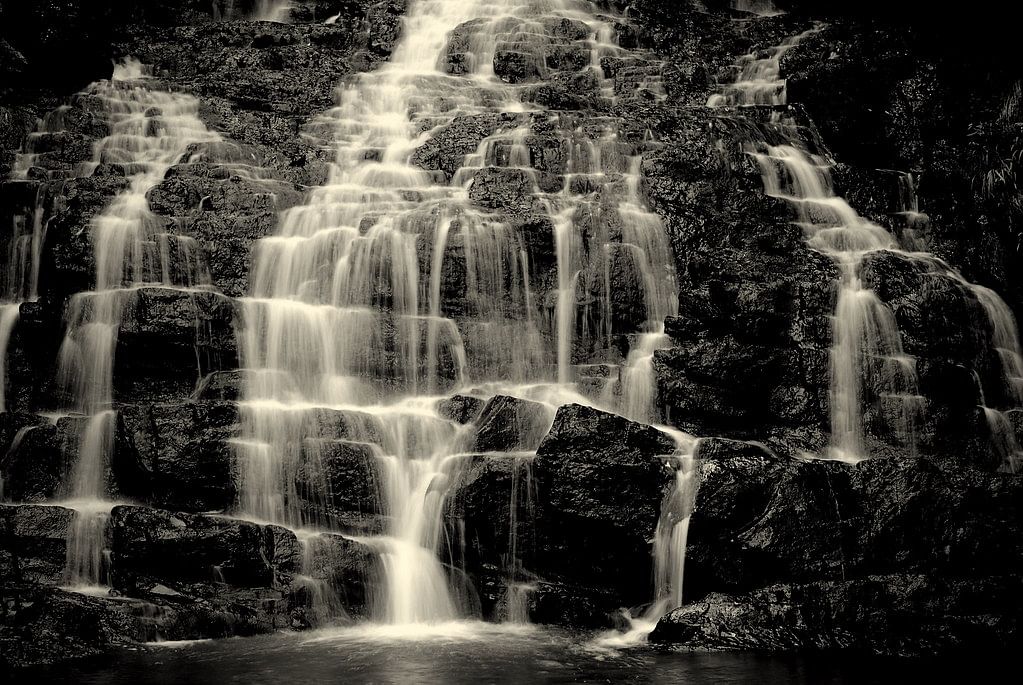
150 130
352 331
869 367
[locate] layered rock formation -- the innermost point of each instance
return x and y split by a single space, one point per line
555 502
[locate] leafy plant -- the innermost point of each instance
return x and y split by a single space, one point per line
997 148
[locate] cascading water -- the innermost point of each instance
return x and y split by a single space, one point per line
344 338
762 8
644 236
868 364
19 283
150 130
670 544
277 11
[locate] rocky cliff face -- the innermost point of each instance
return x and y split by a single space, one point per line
915 549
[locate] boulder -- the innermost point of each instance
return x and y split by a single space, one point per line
340 481
47 625
493 523
905 615
178 549
179 454
461 408
447 148
510 424
511 190
34 457
169 339
33 542
337 579
600 481
759 519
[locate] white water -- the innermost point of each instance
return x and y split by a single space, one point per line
763 8
8 319
868 364
150 130
346 338
273 10
19 283
278 11
670 543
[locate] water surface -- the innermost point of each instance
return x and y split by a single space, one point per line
469 653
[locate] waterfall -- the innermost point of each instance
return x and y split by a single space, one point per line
351 329
762 8
272 10
868 363
150 130
670 543
866 340
277 11
8 319
20 281
643 234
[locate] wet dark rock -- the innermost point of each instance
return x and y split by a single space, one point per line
567 91
628 312
572 605
34 457
536 233
946 516
904 615
759 519
600 480
348 568
349 473
47 625
492 515
461 408
224 215
180 455
753 328
926 112
68 263
514 66
510 424
918 549
169 339
503 188
447 148
33 543
154 545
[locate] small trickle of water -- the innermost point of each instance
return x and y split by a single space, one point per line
670 544
761 8
868 364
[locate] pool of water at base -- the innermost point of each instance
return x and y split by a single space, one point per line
477 653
